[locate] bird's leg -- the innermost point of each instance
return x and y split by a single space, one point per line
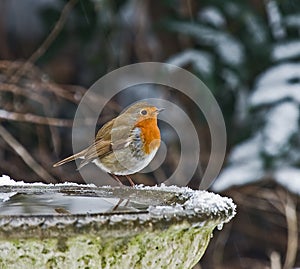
121 200
118 204
116 179
130 180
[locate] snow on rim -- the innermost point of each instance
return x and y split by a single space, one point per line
199 201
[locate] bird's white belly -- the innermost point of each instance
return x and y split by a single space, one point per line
124 163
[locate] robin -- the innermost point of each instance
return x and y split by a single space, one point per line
125 145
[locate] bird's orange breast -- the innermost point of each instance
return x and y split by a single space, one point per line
150 134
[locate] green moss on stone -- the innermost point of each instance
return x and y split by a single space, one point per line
177 247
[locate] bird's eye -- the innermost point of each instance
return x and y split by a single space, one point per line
144 112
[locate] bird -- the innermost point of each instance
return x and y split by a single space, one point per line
124 145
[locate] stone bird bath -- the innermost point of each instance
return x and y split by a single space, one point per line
84 226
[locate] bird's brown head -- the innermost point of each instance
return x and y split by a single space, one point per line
142 111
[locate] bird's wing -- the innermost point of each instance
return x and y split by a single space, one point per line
103 145
98 149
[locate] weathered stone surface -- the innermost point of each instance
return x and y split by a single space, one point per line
84 226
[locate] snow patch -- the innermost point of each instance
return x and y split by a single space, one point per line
6 196
292 20
286 50
239 174
229 48
199 201
289 177
244 167
282 123
210 203
269 95
280 74
275 19
277 83
248 149
201 61
213 16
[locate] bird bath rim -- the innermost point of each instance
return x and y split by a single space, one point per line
159 206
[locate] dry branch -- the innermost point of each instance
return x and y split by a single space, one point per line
14 116
292 228
24 154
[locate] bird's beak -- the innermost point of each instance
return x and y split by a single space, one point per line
160 110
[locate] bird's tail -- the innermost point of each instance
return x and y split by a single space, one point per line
71 158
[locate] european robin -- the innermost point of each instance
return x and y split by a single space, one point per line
125 145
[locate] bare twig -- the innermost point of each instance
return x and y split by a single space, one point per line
5 87
286 206
32 118
275 260
292 228
33 91
8 67
14 116
24 154
52 87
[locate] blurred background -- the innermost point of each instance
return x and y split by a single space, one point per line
246 52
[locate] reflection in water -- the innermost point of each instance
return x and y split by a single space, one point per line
58 201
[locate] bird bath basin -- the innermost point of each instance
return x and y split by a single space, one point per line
84 226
